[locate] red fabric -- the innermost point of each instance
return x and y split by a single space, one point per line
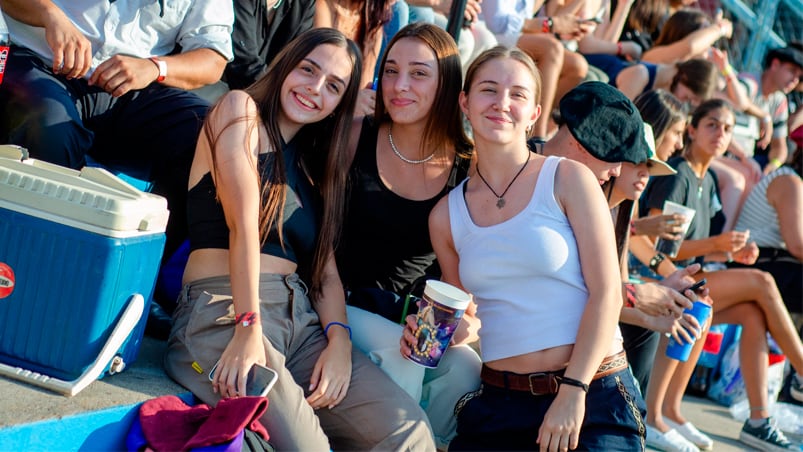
170 424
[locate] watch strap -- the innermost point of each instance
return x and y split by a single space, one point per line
655 262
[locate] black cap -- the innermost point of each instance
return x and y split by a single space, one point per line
787 55
605 122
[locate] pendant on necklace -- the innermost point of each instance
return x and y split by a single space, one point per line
699 191
500 203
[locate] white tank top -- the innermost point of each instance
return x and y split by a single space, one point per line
524 273
760 217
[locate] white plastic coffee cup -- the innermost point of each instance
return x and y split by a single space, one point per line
439 314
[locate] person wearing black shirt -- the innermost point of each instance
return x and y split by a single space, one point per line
261 29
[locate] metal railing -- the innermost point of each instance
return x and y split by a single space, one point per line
758 26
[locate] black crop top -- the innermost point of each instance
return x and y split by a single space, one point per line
207 222
385 240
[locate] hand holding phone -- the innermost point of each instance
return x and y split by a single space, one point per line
696 287
259 382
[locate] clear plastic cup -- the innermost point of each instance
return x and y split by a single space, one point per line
668 247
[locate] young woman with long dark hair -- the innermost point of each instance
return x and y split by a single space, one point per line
266 196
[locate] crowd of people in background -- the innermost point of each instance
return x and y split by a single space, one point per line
322 159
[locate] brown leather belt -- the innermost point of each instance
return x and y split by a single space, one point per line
541 383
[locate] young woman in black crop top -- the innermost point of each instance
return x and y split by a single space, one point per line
406 158
243 302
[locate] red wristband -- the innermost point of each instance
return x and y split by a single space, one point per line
246 318
162 66
630 295
546 25
618 49
632 227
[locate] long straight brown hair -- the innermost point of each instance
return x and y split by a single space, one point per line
444 128
319 144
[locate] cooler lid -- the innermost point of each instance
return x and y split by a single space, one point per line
92 196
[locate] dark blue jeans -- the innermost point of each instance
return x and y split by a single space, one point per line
151 133
501 419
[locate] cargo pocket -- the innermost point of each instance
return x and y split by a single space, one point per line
209 329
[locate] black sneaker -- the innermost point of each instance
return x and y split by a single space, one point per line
765 437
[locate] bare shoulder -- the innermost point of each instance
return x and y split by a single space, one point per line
783 187
573 181
570 172
234 123
236 102
439 216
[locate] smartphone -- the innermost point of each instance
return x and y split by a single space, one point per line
259 382
696 286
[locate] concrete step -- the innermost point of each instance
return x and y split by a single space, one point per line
98 418
95 419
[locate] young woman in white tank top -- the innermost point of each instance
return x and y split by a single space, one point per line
532 240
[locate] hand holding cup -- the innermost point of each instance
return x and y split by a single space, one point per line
670 247
439 314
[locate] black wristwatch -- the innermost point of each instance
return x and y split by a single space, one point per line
655 262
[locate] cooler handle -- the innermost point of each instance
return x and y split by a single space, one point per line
20 154
93 174
108 179
131 316
13 152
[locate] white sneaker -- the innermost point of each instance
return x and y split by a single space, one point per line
671 441
690 432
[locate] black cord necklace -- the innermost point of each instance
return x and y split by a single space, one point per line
500 199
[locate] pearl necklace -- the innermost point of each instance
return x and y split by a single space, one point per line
399 154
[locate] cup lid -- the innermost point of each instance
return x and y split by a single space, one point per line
446 294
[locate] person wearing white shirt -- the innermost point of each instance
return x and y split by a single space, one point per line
108 80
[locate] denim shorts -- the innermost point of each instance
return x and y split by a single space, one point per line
501 419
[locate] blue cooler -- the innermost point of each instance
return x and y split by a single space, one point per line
79 256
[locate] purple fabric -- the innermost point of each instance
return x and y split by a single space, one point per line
167 423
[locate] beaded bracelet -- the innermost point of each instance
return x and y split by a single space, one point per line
330 324
572 382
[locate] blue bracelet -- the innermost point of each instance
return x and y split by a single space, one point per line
330 324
